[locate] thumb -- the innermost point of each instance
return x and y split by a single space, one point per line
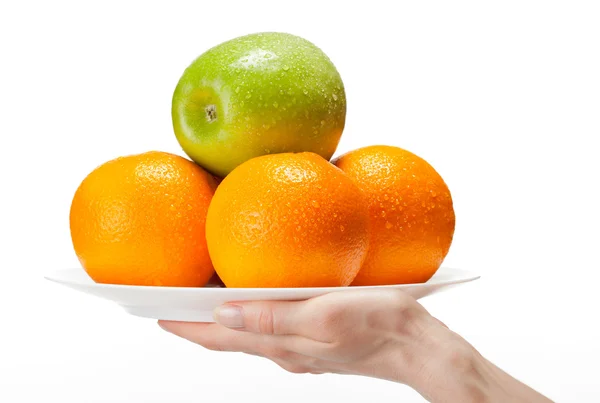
264 317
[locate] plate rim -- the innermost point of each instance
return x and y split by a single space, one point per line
469 276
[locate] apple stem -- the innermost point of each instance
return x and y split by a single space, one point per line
211 113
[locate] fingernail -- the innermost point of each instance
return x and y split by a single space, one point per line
229 316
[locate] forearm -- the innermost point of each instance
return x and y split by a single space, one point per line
502 384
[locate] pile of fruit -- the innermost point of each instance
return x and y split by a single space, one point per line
260 204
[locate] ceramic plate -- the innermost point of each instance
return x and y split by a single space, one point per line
197 304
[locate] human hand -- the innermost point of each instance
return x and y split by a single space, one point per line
377 333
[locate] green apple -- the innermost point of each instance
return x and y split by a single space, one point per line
258 94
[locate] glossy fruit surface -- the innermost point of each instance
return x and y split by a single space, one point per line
140 220
411 214
287 220
258 94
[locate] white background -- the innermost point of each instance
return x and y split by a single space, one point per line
503 98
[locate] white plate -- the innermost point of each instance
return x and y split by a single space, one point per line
197 304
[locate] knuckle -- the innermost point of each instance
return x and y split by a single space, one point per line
393 310
331 316
276 353
404 305
314 364
266 321
215 347
294 369
401 299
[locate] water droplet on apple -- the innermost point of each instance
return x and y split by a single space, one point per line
315 204
286 67
388 224
335 97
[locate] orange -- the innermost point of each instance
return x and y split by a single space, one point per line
287 220
140 220
411 214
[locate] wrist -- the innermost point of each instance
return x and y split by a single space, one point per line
456 373
445 368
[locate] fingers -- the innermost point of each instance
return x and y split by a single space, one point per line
297 363
263 317
219 338
214 337
298 368
273 347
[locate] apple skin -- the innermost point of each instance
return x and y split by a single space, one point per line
258 94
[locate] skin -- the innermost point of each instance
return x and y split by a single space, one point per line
258 94
384 334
